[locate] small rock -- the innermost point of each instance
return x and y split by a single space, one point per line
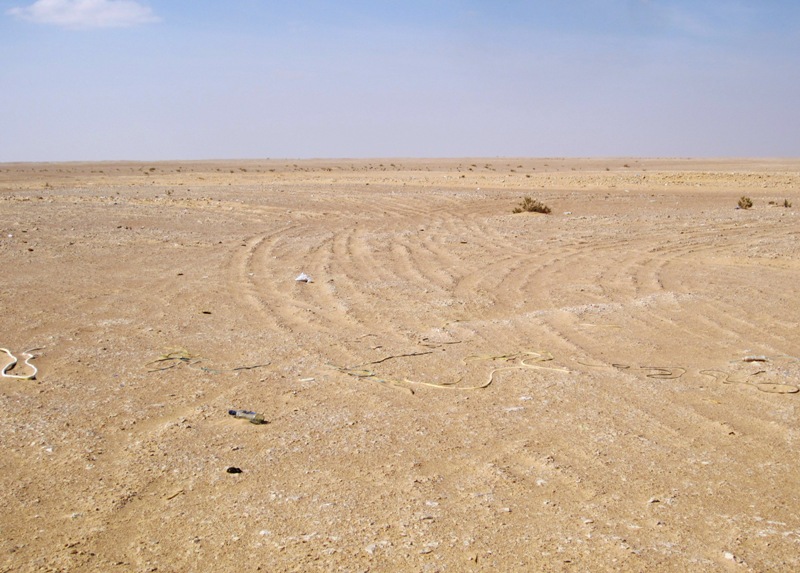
731 557
233 470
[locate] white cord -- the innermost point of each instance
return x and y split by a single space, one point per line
13 363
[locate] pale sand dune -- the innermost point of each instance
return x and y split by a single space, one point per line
646 442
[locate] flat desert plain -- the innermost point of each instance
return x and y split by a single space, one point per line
609 387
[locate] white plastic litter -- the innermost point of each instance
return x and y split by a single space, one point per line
304 278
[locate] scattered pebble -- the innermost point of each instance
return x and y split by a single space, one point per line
233 470
373 547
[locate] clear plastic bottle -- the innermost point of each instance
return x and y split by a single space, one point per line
252 417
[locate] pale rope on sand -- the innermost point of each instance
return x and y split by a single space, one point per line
675 372
362 372
13 363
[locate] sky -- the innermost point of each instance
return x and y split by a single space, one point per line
90 80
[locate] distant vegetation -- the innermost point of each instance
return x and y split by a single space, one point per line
531 206
745 202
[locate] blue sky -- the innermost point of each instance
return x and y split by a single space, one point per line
150 80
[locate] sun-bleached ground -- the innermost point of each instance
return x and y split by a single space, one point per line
609 387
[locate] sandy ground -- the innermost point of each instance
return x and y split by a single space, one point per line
610 387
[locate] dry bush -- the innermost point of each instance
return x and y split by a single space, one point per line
531 206
745 202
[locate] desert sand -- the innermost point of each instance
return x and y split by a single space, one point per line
609 387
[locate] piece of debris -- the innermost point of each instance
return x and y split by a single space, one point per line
731 557
754 359
304 278
248 415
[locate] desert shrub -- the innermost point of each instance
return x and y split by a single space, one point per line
745 202
531 206
787 203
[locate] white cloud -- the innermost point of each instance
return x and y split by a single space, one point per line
86 13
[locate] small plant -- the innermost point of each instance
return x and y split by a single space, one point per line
531 206
787 203
745 202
